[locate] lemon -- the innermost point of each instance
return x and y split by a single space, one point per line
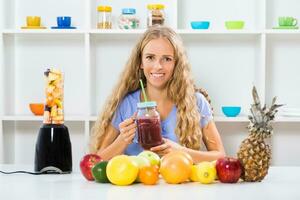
121 170
215 163
206 172
194 176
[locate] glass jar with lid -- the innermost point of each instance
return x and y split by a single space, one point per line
148 125
156 14
128 19
104 17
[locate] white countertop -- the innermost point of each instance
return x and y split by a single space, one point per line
281 183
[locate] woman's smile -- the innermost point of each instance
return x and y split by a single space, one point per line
157 75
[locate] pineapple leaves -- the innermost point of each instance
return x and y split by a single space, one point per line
255 97
261 117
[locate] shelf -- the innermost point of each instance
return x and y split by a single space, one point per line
40 118
282 31
42 31
116 31
128 32
287 119
278 119
216 118
213 32
236 119
94 118
231 119
141 31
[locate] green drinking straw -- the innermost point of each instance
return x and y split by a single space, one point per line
143 89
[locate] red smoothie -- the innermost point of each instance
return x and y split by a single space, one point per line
149 132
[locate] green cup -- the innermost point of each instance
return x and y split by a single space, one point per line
287 21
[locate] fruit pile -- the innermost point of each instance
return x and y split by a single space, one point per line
122 169
175 168
53 113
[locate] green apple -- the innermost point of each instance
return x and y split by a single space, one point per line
141 161
151 156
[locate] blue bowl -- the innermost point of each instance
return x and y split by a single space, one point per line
63 21
200 24
231 111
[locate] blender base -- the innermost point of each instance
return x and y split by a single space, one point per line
53 152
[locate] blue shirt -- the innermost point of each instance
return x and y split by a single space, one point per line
128 107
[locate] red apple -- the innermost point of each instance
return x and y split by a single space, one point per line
87 163
229 169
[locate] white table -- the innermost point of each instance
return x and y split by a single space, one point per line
281 183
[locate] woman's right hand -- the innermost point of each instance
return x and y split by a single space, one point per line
127 130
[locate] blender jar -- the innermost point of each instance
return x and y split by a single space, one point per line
54 89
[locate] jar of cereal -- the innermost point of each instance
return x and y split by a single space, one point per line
156 14
128 19
104 17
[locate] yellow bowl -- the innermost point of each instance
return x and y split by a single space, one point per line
37 108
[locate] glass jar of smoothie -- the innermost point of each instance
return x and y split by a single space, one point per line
148 125
156 14
104 17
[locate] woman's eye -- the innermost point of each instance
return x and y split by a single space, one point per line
149 57
168 59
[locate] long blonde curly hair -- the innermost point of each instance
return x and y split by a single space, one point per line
180 89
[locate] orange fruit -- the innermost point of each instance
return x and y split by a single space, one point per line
149 175
180 153
175 168
37 108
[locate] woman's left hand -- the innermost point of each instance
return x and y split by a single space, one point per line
166 147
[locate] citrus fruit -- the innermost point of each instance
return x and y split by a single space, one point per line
99 172
214 163
149 175
175 169
194 176
141 162
121 170
206 172
179 153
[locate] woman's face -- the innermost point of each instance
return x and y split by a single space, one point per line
158 62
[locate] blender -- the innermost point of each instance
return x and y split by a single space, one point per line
53 152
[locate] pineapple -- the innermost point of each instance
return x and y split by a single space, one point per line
254 154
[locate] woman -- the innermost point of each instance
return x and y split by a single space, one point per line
158 59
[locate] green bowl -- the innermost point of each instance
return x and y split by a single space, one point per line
232 25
